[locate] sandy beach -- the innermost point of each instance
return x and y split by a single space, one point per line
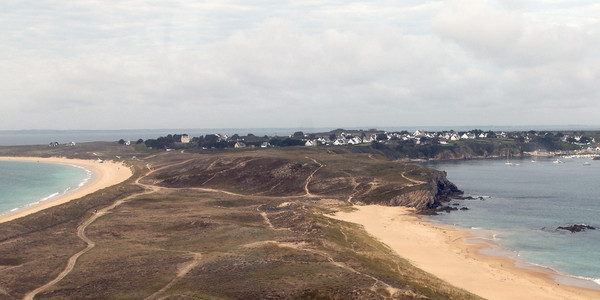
106 174
443 251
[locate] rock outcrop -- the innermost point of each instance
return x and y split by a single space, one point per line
576 227
440 190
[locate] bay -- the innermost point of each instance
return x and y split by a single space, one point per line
522 205
24 184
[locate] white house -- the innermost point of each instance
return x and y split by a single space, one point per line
340 142
310 143
355 141
185 138
239 145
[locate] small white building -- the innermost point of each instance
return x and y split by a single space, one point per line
310 143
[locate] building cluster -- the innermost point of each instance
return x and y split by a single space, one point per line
419 137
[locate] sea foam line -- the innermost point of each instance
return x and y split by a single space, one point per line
85 181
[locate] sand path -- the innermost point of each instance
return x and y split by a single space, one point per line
310 177
90 244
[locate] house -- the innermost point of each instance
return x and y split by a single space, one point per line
369 139
185 139
127 143
239 145
53 144
310 143
454 137
355 141
340 142
265 145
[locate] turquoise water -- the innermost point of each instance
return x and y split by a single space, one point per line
523 205
23 184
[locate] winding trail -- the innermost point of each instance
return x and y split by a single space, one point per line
310 177
180 274
413 181
149 188
90 244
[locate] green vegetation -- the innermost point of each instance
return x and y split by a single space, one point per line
231 224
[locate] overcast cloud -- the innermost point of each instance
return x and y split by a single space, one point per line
222 64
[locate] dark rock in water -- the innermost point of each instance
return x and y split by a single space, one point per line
464 208
456 204
447 209
576 227
480 198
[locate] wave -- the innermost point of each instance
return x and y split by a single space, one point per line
89 177
49 197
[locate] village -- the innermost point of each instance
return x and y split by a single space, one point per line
542 143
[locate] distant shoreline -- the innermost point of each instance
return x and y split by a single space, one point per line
106 174
442 251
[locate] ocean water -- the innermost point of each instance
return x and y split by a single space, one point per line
523 205
24 184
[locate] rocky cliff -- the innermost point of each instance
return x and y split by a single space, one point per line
438 189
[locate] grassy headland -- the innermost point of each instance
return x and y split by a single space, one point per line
230 224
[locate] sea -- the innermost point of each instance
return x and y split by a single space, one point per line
517 208
24 184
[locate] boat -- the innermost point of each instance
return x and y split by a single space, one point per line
587 163
508 163
558 161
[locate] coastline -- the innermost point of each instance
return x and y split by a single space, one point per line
106 174
444 252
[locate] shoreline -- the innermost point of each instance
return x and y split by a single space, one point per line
105 174
445 252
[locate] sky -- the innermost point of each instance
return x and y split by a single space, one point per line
135 64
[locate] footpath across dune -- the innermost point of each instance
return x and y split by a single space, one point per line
443 252
106 174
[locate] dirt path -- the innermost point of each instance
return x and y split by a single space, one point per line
90 244
239 165
310 177
180 274
413 181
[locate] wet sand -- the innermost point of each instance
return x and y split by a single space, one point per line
443 252
106 174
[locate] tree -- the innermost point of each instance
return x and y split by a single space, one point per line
139 141
298 135
382 137
122 141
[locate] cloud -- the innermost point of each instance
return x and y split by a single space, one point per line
504 36
282 64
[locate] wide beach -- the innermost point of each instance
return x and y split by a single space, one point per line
106 174
443 252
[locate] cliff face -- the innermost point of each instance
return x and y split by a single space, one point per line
439 189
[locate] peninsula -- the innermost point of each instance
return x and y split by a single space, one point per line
294 222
